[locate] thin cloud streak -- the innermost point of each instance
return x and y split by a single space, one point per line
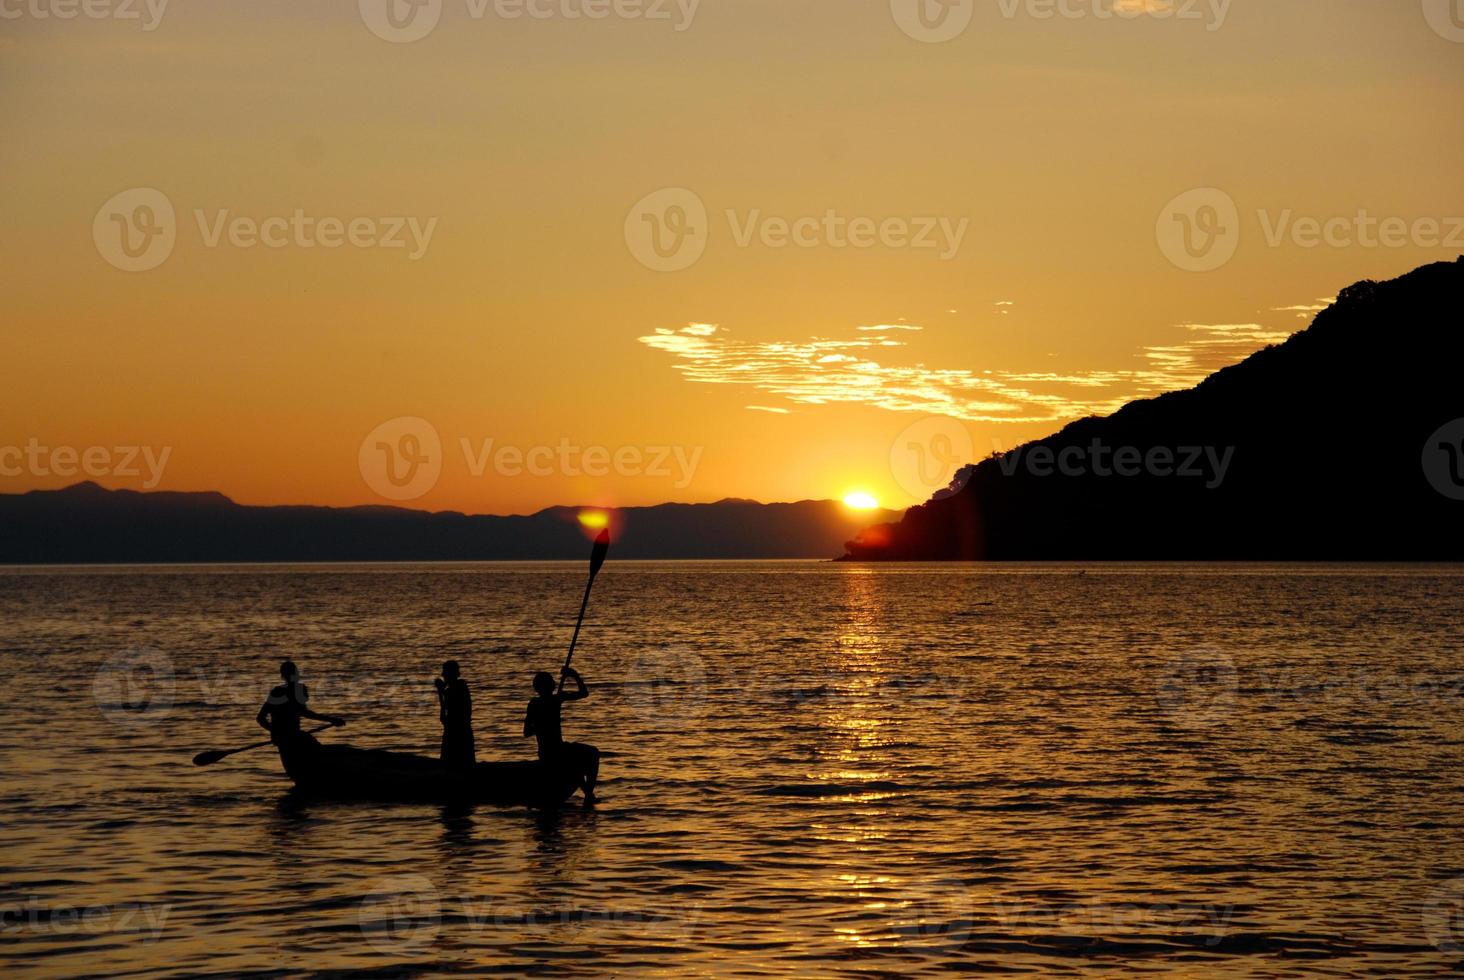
823 371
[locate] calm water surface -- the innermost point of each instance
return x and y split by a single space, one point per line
811 770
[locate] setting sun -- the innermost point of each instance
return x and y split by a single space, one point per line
860 501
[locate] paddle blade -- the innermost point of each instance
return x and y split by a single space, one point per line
598 553
208 758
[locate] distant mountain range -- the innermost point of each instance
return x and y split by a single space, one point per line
1346 442
87 523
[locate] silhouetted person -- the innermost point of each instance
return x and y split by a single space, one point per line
456 711
281 712
542 722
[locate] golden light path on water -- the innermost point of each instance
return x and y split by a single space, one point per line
810 769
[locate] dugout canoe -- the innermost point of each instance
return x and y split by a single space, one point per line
346 772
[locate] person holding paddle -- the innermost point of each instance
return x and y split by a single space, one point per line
282 710
542 721
542 718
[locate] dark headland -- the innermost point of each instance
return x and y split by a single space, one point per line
1333 446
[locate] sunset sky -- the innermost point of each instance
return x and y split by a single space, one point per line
1037 158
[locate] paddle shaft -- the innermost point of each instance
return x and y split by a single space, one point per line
257 745
597 558
577 624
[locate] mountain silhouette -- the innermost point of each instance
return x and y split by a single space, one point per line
86 523
1325 447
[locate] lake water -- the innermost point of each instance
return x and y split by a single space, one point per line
810 769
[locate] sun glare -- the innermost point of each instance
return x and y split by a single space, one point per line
860 501
594 518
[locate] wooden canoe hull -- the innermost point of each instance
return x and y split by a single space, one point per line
345 772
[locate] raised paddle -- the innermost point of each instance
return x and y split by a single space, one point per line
214 755
597 558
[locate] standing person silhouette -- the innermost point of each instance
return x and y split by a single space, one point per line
455 704
542 721
281 712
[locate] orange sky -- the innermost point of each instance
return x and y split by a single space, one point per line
1010 188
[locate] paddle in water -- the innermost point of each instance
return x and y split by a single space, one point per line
280 715
214 755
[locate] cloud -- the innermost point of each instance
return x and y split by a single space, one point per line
766 408
1302 309
823 371
891 326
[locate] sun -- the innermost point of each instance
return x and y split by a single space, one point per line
860 500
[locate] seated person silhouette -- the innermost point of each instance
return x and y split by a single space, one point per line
455 708
281 712
542 722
